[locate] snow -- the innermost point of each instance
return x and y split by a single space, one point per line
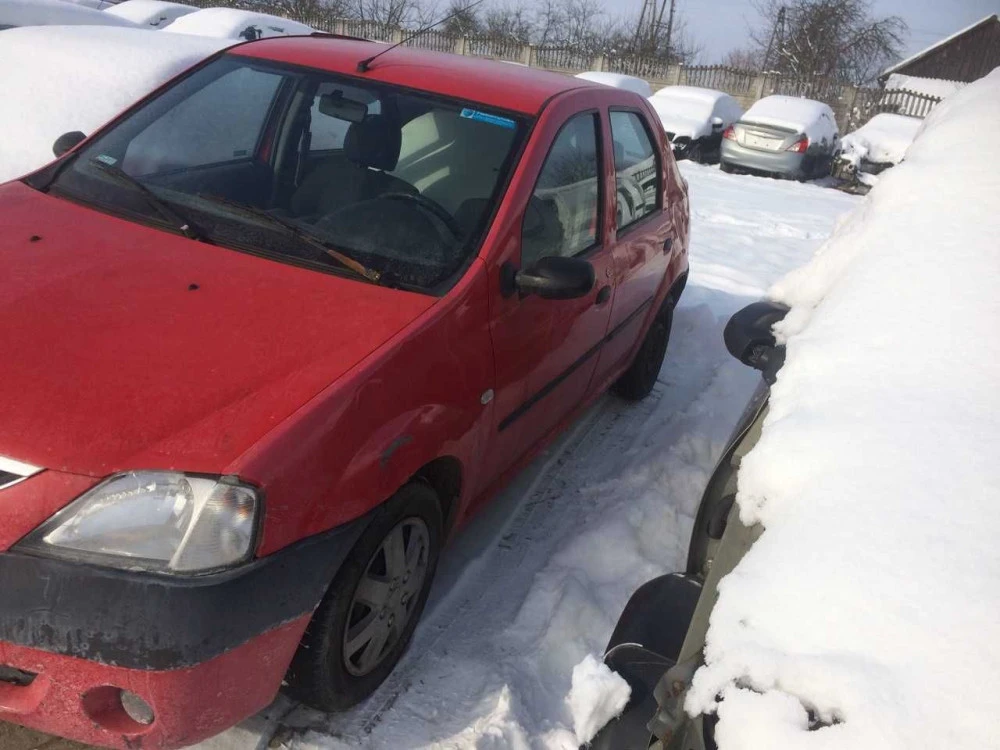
883 139
688 110
89 74
50 12
813 118
618 81
155 13
871 598
596 696
930 86
539 578
227 23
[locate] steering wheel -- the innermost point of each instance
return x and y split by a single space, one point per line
431 206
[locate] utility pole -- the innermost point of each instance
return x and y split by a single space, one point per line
650 23
777 34
670 23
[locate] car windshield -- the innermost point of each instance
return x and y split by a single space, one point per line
332 172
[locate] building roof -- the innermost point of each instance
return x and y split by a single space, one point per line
937 45
512 87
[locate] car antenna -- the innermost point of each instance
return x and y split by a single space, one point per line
365 65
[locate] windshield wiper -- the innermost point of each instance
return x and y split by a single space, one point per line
299 233
161 206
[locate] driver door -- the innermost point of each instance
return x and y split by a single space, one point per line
546 351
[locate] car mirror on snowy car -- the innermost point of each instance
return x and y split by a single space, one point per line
556 277
67 141
749 337
717 123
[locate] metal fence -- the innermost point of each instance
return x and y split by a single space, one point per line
721 77
562 58
639 65
905 102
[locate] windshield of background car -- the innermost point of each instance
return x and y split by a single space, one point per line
287 161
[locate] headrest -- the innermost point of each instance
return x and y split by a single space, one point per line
374 142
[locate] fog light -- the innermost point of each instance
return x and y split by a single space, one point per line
137 709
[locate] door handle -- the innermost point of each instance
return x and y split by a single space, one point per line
667 245
603 295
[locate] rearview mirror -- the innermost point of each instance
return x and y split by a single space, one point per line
749 338
717 123
556 277
337 105
67 141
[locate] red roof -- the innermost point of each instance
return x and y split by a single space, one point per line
503 85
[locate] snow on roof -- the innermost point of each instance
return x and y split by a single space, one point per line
228 23
618 81
156 13
930 86
52 12
871 600
883 139
691 93
813 118
946 40
86 76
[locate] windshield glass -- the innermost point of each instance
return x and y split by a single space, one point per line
334 172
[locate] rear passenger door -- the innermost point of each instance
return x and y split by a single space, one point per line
642 243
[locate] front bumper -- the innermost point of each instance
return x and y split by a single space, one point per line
773 162
203 652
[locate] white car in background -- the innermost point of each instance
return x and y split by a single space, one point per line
782 136
79 94
154 14
694 119
16 13
228 23
877 145
618 81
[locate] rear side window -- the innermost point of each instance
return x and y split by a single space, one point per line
636 174
562 214
220 123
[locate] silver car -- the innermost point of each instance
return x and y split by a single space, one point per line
784 136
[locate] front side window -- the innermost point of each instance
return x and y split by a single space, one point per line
343 174
637 175
562 214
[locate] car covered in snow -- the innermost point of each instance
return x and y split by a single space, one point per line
73 73
618 81
694 119
153 14
232 23
282 327
786 136
15 13
877 145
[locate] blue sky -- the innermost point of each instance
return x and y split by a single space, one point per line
721 25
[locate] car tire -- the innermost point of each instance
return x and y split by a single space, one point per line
325 674
694 153
638 380
726 167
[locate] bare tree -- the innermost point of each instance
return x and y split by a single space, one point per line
743 58
510 21
833 39
464 19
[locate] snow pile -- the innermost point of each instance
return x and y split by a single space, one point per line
596 697
86 76
157 14
882 140
51 12
871 603
813 118
688 110
618 81
228 23
929 86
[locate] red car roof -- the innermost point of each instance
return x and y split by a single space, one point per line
503 85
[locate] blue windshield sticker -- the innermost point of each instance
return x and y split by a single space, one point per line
475 114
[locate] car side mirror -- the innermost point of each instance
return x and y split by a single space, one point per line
556 277
717 123
67 141
749 338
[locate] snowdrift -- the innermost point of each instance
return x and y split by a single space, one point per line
871 603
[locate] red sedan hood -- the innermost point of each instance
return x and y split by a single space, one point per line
122 346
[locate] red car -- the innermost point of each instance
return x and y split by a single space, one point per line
271 336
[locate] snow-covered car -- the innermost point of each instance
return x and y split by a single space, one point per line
843 592
618 81
156 14
877 145
79 92
694 120
786 136
16 13
229 23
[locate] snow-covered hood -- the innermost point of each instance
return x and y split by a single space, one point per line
684 127
882 140
125 346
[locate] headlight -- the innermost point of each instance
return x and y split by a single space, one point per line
155 520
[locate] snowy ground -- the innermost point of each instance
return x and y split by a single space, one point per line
537 581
